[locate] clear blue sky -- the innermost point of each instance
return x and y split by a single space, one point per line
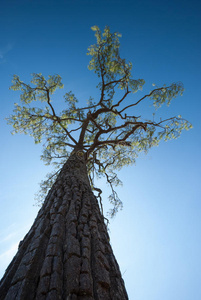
156 238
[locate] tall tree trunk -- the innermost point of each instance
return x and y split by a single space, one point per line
66 254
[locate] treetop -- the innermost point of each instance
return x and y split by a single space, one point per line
105 130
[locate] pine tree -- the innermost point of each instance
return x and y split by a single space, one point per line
67 253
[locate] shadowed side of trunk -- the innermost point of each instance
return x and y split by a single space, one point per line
66 254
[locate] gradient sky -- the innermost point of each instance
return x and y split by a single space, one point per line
156 238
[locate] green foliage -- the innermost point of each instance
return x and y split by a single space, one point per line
166 94
103 130
39 92
109 66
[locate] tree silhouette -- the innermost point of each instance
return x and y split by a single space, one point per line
67 254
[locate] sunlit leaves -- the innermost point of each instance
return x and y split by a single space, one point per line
39 80
41 87
166 94
41 122
136 85
113 70
105 58
54 82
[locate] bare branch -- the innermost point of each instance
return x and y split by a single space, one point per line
119 102
148 95
48 101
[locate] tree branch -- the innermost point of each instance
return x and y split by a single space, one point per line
148 95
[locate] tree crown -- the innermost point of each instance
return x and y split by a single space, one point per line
102 131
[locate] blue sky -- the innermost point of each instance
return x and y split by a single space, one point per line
156 238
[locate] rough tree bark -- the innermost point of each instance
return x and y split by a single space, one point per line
66 254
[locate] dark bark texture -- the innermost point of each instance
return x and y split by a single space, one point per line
66 254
